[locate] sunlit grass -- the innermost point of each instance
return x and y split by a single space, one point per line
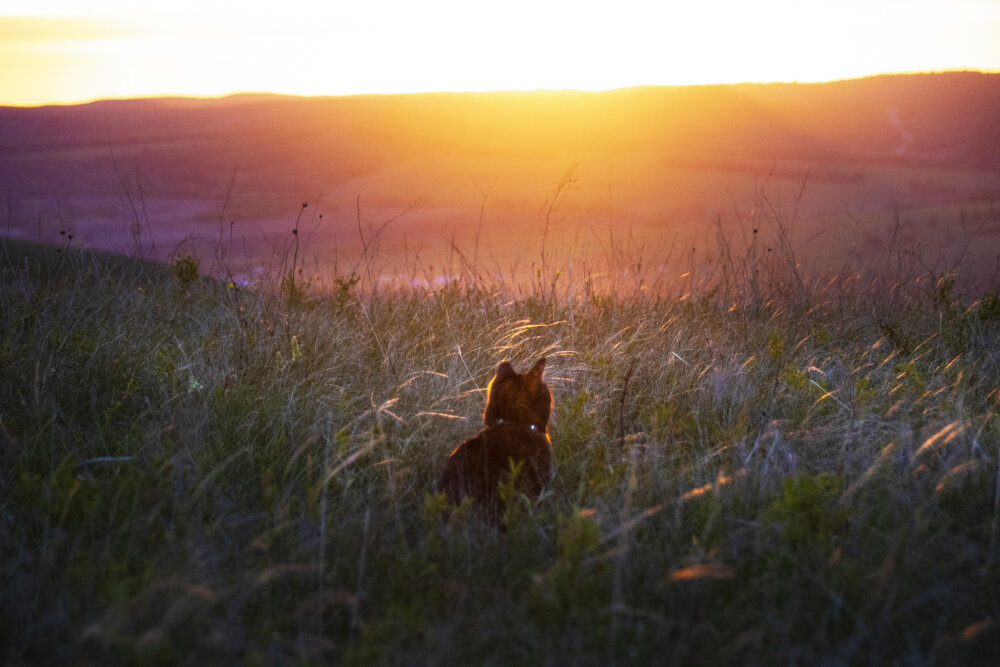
751 466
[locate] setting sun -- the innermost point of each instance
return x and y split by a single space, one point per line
54 52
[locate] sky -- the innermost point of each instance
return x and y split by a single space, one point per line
66 51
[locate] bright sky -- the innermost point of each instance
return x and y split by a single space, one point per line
69 51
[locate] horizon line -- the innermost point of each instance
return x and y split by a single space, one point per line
273 93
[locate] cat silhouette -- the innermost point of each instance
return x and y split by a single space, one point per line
515 435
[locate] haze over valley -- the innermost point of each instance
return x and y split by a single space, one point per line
849 168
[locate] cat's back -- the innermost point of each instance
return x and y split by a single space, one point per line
477 465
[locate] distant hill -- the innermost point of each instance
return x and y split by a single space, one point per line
654 158
951 119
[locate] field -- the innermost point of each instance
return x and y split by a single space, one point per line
198 472
775 368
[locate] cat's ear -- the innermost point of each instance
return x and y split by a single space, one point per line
505 370
537 369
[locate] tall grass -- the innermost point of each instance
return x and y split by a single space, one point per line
753 465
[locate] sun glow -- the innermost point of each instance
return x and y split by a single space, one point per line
52 52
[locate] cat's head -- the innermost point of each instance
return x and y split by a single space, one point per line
519 398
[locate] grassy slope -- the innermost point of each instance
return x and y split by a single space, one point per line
189 472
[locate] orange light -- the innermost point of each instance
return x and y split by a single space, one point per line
391 46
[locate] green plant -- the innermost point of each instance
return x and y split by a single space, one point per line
808 510
185 269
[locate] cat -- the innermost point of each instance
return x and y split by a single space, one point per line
516 432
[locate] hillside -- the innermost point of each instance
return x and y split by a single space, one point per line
946 119
663 165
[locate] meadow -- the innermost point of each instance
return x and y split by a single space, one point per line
755 463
